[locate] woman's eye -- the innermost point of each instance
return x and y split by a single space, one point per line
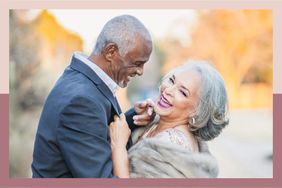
171 80
183 93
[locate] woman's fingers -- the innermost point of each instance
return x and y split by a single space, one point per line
119 133
116 118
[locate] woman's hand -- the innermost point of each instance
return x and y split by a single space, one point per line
119 132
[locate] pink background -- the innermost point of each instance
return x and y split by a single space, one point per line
5 181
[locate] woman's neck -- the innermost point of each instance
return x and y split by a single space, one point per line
166 124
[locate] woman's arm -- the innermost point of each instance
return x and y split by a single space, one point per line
120 162
119 134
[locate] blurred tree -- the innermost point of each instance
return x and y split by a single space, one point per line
24 59
146 86
40 49
238 43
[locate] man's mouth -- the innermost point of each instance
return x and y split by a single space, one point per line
130 77
164 103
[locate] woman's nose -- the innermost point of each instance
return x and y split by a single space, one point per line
169 89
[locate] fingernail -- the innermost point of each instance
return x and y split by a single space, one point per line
150 111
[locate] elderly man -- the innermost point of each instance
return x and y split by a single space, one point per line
72 139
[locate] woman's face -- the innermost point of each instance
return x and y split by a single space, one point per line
178 95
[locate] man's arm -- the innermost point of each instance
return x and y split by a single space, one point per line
141 115
129 119
82 137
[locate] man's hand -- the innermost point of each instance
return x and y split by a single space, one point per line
145 112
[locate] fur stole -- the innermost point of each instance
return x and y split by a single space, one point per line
152 158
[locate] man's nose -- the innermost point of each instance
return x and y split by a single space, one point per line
140 71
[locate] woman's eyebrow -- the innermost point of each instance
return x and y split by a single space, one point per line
182 86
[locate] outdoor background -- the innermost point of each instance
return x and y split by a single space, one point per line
237 42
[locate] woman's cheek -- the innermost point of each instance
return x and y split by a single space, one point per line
161 89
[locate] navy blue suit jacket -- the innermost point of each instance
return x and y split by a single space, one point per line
72 139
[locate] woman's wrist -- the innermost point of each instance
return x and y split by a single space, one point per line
118 148
120 162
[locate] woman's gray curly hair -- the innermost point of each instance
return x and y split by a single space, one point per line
212 107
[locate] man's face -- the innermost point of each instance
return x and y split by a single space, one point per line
132 63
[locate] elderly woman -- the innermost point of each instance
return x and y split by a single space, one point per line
191 109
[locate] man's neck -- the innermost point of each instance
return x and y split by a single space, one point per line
101 63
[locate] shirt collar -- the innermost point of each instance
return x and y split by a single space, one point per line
112 85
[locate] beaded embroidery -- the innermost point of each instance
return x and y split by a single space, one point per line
171 135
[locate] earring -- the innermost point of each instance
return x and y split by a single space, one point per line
193 120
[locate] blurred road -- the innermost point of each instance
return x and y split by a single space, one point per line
244 148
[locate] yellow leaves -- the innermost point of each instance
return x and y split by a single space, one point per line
54 34
234 40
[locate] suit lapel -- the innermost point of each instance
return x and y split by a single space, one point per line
79 66
107 92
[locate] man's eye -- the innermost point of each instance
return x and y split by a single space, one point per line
139 64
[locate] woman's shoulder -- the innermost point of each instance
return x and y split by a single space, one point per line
175 136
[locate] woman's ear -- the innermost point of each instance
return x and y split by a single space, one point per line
110 51
192 117
193 113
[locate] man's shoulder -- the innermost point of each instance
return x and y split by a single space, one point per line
74 83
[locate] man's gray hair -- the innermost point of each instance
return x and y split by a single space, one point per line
123 31
212 107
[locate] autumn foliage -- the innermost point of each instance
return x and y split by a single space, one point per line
239 44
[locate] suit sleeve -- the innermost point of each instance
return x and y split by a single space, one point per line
82 137
129 119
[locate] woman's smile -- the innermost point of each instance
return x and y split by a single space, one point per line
163 102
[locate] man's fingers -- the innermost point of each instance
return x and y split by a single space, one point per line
143 117
144 106
150 111
139 107
141 123
141 104
150 102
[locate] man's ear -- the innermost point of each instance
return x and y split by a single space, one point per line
110 51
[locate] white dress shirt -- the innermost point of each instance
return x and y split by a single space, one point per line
112 85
